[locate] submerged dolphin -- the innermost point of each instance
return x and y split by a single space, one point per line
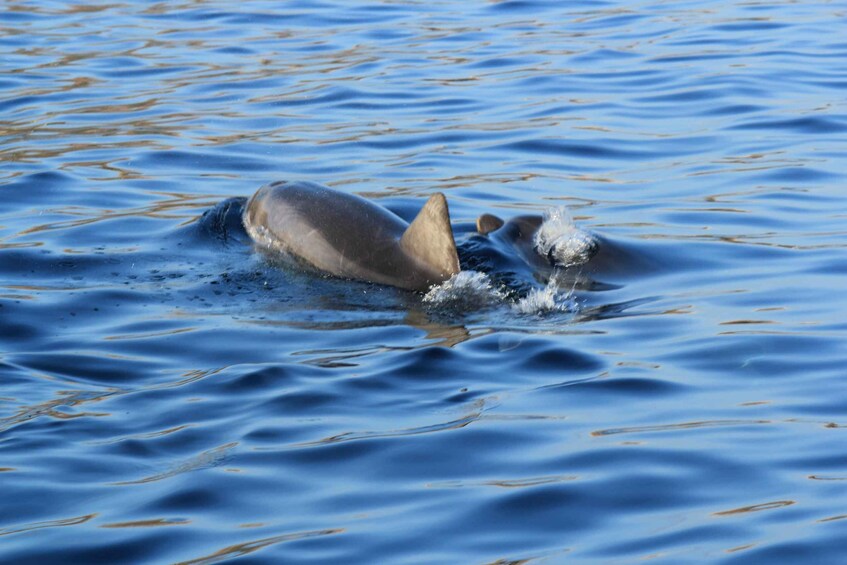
519 232
347 236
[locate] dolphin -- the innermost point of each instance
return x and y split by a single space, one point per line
600 256
346 236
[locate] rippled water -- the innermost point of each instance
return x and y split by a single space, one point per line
167 394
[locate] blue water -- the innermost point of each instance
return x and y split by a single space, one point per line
168 394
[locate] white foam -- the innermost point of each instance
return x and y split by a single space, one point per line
470 291
545 300
559 239
464 291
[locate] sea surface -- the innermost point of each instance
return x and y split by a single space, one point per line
168 394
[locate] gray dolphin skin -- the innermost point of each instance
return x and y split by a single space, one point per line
347 236
519 232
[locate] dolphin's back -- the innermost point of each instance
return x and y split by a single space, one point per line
340 234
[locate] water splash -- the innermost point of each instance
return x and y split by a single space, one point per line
561 241
470 291
549 299
545 300
463 292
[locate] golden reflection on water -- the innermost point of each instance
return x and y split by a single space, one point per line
756 508
144 435
833 518
245 548
366 435
676 427
337 358
741 548
148 335
745 322
507 483
152 523
207 459
68 399
47 524
176 206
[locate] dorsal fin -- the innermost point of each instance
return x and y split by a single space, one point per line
430 237
488 223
